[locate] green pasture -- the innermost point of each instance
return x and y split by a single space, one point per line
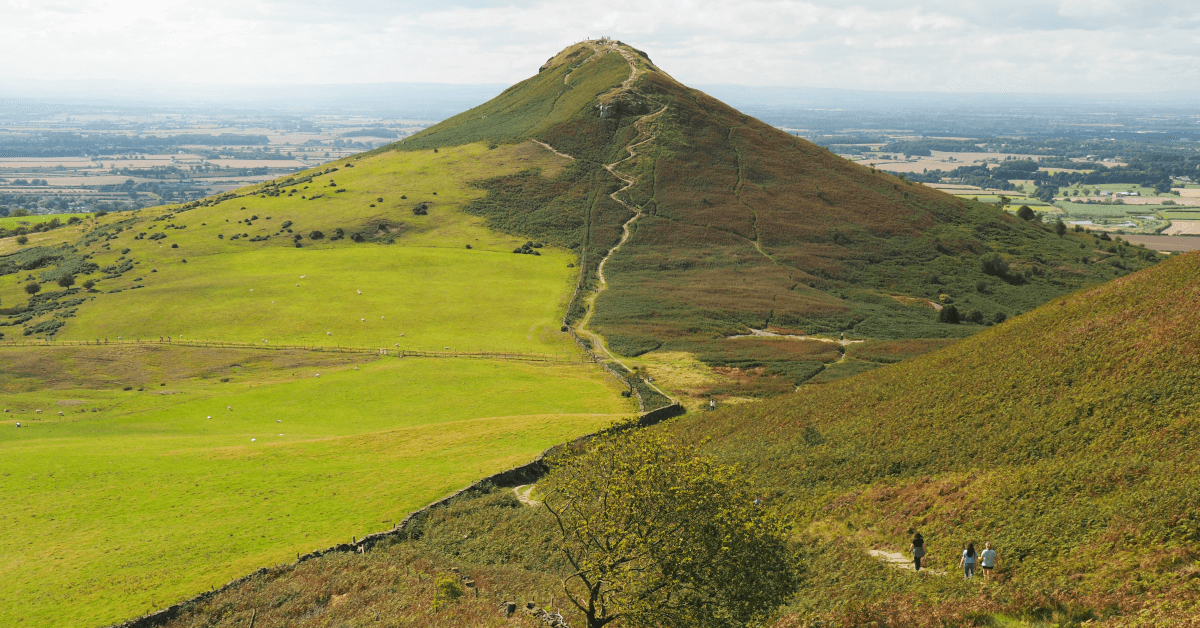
1176 213
354 296
1107 211
411 274
12 222
134 499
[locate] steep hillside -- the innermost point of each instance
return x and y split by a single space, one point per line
734 225
1065 437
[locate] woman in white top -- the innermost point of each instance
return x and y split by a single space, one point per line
968 561
987 560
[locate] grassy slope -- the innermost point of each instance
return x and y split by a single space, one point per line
138 499
747 226
1065 437
427 284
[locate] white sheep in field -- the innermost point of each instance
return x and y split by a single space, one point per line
328 333
360 291
303 276
230 408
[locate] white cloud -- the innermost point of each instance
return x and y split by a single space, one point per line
1019 45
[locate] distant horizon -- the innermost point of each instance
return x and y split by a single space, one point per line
52 89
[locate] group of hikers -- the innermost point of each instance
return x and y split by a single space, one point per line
985 559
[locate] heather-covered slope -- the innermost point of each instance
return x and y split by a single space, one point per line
1065 437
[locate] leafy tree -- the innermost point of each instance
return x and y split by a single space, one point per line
1060 228
994 265
33 287
1026 213
658 535
66 281
89 284
948 315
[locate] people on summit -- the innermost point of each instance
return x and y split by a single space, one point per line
918 550
967 562
987 559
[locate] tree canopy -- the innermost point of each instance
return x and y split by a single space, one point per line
658 535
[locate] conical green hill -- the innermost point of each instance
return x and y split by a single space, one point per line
741 225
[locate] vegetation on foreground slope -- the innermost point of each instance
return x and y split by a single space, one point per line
739 225
1064 437
134 499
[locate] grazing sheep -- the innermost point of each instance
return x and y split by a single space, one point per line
328 333
229 408
37 411
60 413
278 421
360 291
210 416
297 285
303 276
18 424
253 439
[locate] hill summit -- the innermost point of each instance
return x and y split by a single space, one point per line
698 224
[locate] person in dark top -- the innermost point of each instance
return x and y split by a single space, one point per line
918 550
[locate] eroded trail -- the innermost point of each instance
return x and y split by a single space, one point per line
644 136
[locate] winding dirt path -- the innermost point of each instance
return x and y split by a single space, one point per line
896 560
626 233
604 47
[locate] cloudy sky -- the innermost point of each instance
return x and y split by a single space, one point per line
1046 46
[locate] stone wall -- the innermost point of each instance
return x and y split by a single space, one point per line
410 527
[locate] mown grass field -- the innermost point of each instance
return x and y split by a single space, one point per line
134 499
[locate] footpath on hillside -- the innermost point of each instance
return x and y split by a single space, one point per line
644 136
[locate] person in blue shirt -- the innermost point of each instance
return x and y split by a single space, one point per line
967 562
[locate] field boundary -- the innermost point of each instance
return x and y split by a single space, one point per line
381 351
410 527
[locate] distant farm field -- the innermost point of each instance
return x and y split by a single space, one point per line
134 499
1183 227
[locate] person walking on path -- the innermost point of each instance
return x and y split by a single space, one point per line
967 562
918 550
987 560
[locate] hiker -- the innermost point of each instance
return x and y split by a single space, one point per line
967 562
987 560
712 404
918 550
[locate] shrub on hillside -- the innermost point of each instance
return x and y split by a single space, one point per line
948 315
994 265
33 287
22 239
316 235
